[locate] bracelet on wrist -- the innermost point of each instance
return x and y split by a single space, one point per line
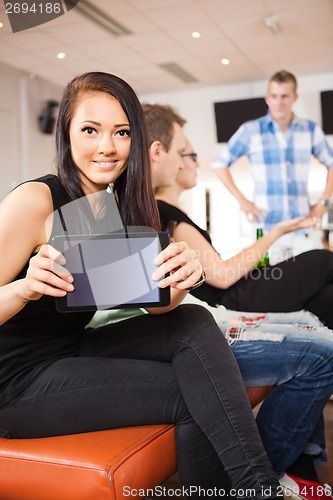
200 281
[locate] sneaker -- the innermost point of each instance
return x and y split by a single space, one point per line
295 488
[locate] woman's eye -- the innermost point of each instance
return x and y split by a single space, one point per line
124 132
88 130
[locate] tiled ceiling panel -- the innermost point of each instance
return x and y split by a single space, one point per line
160 34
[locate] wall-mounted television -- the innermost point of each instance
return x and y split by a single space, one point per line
326 98
229 115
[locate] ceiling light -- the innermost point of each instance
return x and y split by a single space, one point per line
196 34
179 72
272 24
99 17
61 55
225 61
1 25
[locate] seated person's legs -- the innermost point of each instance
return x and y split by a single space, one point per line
299 363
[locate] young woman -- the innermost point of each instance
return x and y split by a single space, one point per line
56 377
297 361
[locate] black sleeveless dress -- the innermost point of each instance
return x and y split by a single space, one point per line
38 335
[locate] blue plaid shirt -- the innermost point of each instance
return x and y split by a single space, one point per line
279 163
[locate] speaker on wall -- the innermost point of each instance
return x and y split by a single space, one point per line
326 99
230 115
47 120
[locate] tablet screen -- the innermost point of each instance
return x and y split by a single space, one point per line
112 271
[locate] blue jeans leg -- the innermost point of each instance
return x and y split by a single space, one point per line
299 363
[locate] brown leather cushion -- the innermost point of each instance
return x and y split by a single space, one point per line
257 394
96 465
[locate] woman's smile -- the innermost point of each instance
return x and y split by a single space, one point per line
105 164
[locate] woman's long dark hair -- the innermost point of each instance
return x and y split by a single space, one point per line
133 189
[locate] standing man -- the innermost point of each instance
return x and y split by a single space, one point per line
279 147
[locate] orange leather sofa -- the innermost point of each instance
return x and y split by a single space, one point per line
92 466
104 465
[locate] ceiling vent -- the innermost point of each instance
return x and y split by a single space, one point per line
176 70
99 17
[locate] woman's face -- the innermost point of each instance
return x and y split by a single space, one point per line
100 141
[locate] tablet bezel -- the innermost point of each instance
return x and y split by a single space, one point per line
164 293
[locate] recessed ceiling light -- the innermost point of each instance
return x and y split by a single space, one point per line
61 55
196 34
1 25
225 61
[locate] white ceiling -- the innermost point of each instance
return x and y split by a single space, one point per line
161 33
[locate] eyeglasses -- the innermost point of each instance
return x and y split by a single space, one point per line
194 156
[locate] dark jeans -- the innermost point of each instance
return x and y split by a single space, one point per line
175 368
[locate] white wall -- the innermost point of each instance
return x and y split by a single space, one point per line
9 131
25 152
230 230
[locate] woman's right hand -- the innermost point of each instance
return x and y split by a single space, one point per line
46 275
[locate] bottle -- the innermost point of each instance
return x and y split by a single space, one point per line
264 262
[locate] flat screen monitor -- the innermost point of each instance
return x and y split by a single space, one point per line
326 99
230 115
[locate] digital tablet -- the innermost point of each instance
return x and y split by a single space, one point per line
112 271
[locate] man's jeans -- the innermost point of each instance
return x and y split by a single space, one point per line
298 360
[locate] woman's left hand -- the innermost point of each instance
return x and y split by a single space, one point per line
181 262
291 225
